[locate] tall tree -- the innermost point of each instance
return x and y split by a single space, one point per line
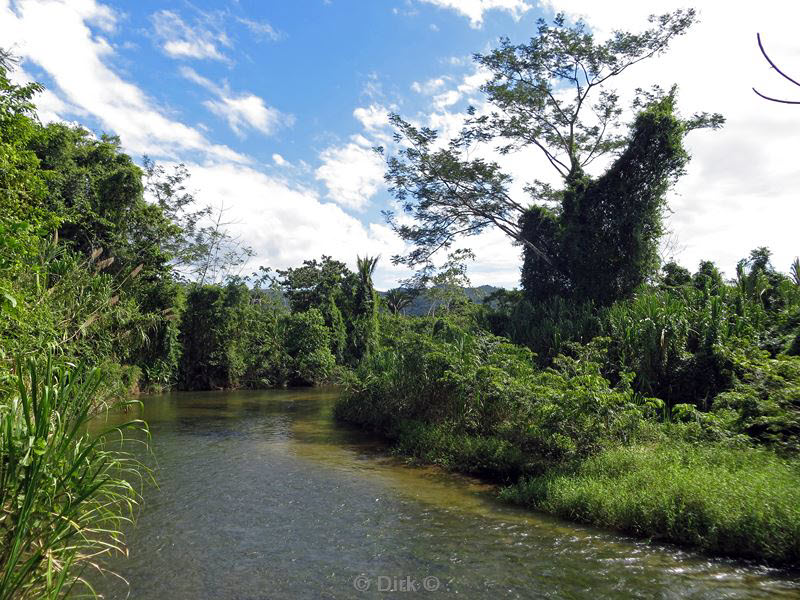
365 310
23 217
326 285
553 94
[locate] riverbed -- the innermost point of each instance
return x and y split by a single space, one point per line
261 495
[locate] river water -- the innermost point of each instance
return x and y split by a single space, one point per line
260 495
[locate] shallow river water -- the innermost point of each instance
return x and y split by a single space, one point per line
260 495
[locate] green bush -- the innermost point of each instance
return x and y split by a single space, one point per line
479 385
764 402
489 457
307 343
233 337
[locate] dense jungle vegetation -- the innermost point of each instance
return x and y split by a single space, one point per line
614 388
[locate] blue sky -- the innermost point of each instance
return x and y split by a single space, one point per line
274 106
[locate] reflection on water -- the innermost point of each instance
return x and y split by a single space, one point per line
260 495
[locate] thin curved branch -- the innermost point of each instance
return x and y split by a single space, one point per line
776 99
772 64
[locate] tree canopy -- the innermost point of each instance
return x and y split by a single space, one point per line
554 94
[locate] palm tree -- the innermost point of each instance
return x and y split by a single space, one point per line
397 299
366 267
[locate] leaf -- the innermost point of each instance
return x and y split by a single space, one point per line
10 299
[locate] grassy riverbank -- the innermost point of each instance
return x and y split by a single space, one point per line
721 499
567 441
741 502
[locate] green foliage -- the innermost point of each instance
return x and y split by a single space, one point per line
97 191
22 189
649 336
232 337
314 283
447 285
398 299
674 275
338 329
345 299
726 500
603 242
307 343
764 402
546 327
364 328
209 338
64 492
480 385
489 457
676 419
73 307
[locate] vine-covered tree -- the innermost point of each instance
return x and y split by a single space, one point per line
326 285
596 237
364 329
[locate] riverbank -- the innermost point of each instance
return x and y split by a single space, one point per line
728 501
565 441
740 502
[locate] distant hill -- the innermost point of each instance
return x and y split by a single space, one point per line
422 305
419 307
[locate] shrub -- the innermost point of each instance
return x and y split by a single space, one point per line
307 343
476 384
764 402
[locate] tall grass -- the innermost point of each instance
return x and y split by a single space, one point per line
741 502
64 493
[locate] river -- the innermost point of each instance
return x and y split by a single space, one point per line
261 495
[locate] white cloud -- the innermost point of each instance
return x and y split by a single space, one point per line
287 224
180 40
475 9
431 86
372 88
279 160
352 173
239 110
468 87
261 29
373 117
56 36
